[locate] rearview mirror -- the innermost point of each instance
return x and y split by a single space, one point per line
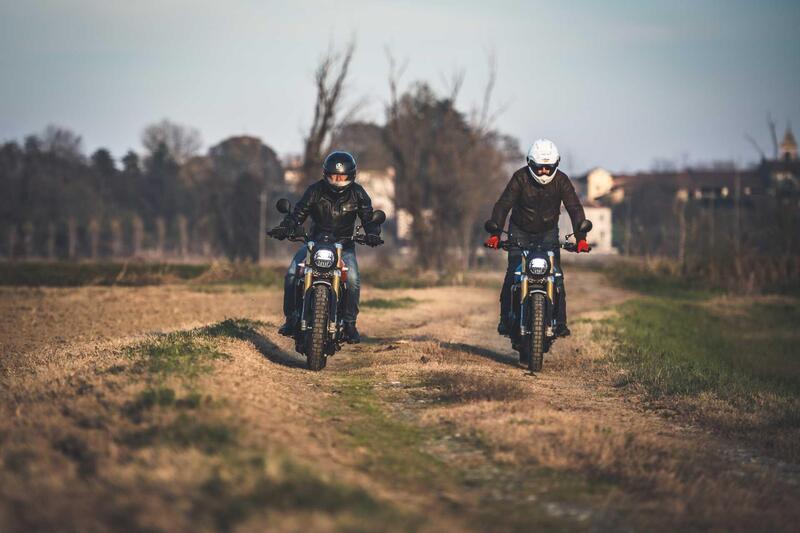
586 226
491 227
378 217
283 206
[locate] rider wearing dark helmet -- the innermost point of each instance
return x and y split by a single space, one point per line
333 203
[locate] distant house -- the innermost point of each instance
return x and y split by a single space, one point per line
710 187
590 187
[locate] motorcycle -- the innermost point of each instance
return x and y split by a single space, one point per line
534 298
321 290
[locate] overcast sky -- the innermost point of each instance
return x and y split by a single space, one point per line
615 84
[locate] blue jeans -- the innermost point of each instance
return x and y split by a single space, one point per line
351 295
549 241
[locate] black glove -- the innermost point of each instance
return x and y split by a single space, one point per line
284 230
371 239
279 232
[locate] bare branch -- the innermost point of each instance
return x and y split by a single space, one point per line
453 84
755 145
329 77
395 74
773 133
483 121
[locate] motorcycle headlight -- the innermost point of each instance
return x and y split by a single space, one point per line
538 266
323 258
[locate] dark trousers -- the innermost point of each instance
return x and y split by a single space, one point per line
549 241
351 296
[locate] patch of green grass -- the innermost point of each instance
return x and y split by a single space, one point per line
245 487
395 452
395 446
234 328
734 369
677 346
163 397
389 303
185 353
656 282
238 277
185 431
72 274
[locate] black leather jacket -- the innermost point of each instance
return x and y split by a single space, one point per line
535 208
332 212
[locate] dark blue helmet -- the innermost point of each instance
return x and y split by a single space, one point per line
339 163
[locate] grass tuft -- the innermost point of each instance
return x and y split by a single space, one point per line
389 303
184 432
185 353
230 495
234 328
71 274
462 386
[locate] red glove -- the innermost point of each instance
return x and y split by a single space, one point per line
583 246
492 242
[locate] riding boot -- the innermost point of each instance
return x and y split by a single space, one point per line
351 333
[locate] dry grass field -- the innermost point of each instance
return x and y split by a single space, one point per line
178 408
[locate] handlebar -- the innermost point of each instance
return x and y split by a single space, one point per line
305 238
512 246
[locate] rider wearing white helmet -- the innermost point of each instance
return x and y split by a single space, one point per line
534 196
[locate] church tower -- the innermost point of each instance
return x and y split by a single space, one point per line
788 147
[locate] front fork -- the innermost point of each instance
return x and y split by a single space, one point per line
336 286
550 287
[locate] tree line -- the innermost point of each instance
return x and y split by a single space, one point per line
170 201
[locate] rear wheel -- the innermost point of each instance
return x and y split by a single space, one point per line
535 341
315 352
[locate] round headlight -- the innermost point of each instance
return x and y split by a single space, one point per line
323 258
538 266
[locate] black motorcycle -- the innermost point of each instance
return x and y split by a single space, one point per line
534 296
320 292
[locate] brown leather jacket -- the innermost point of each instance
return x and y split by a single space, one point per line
534 207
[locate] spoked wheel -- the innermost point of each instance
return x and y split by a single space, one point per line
315 352
533 344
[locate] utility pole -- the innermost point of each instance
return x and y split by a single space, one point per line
737 228
262 227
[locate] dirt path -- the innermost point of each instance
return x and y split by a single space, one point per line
429 424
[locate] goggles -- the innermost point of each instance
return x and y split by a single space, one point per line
546 169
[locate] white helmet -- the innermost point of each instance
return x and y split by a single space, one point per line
543 159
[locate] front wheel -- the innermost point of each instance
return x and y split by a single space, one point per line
533 344
315 348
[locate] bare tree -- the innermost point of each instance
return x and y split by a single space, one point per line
181 142
94 238
62 142
72 238
329 77
444 166
116 238
183 236
12 241
161 236
51 240
137 235
28 231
